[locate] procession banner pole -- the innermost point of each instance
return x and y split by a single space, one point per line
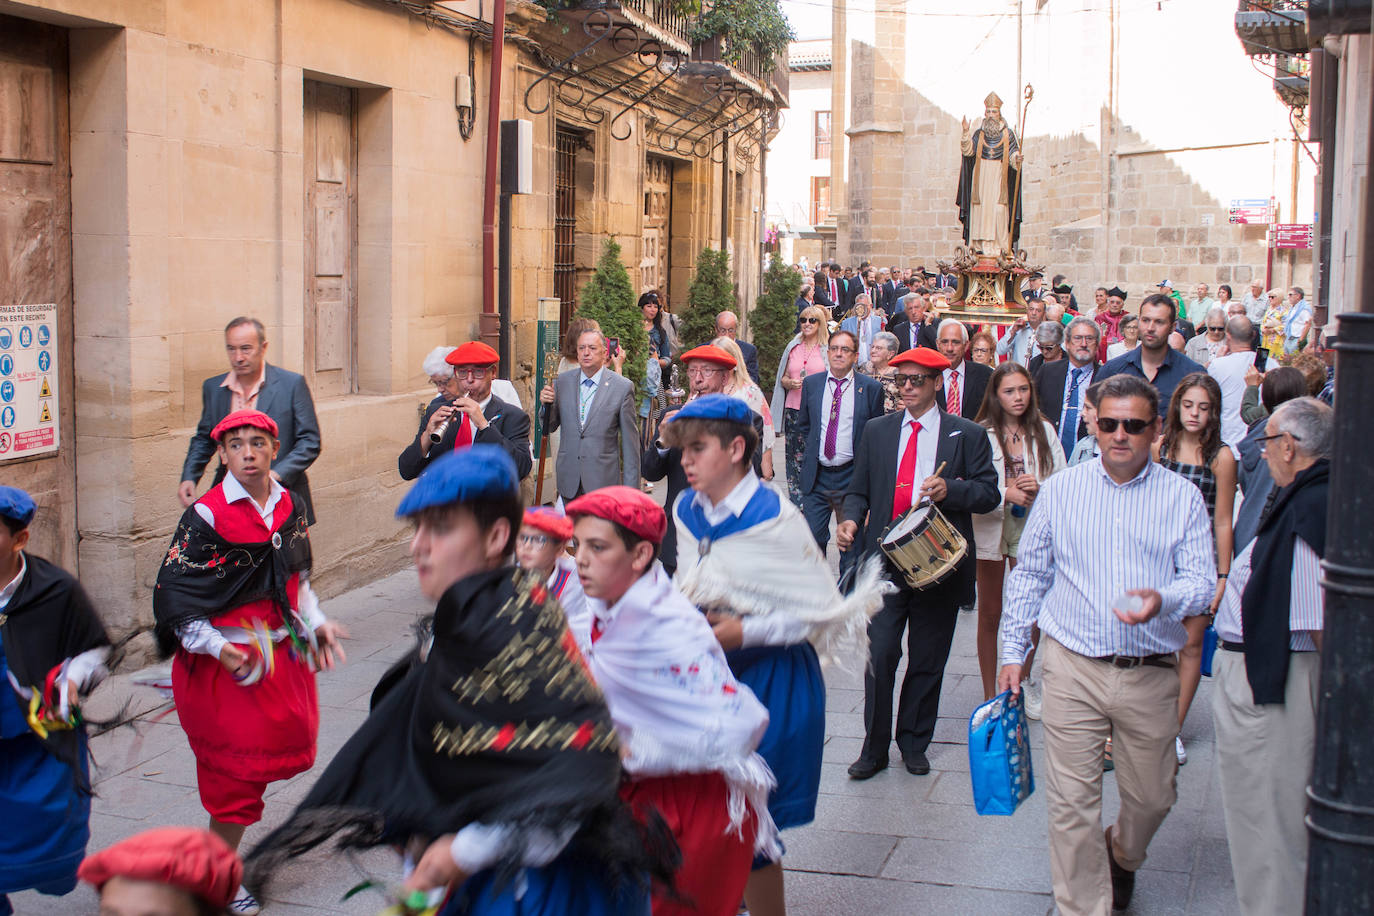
1011 204
546 353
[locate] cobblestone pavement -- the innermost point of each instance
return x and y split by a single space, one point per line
895 844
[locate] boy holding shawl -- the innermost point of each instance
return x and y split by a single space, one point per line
747 558
52 648
687 726
494 753
233 599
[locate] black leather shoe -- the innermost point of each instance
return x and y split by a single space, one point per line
917 764
866 768
1123 881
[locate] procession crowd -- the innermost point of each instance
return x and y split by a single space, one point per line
618 706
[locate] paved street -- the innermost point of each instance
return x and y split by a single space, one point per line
896 844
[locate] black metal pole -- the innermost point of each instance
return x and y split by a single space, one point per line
1340 818
503 284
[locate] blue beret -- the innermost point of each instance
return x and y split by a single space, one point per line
717 407
476 472
16 505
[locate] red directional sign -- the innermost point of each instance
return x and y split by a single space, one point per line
1293 235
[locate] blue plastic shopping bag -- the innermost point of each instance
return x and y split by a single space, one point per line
999 755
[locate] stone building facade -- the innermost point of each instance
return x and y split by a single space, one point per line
1147 122
166 166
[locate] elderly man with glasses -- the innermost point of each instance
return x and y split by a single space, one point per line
466 412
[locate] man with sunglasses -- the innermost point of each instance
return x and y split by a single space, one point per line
474 415
1154 360
1116 553
921 453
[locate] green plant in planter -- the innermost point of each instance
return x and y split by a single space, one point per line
712 292
774 319
609 300
746 25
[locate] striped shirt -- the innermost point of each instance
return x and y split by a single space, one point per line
1307 601
1087 540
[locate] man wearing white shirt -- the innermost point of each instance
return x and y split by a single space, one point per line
597 412
1256 302
1018 344
1110 599
1229 371
1268 666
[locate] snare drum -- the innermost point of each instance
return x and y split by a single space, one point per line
923 545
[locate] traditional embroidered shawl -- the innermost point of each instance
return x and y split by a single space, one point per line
765 561
675 704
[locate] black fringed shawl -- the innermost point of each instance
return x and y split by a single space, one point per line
501 724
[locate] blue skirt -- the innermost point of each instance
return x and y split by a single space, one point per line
564 887
47 821
787 680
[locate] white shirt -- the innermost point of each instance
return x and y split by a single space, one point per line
926 443
844 438
949 373
584 407
1307 601
1019 347
1117 349
1229 372
199 636
734 502
1085 379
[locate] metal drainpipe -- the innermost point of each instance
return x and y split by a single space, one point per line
490 327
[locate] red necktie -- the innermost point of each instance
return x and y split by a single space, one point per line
464 437
906 473
952 399
833 296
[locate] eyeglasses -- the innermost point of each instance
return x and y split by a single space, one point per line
534 540
810 321
703 371
472 371
839 349
915 378
1133 425
1083 338
440 382
1264 440
1216 327
726 332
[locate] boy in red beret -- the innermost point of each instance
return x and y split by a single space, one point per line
233 599
171 871
542 548
687 727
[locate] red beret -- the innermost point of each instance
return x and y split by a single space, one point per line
550 522
711 353
626 506
194 860
241 418
473 353
924 357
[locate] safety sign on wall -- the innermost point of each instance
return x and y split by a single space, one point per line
28 381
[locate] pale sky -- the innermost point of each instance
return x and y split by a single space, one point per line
809 18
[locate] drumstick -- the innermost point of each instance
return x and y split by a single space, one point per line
926 499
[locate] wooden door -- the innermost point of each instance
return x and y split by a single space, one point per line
331 237
36 266
656 244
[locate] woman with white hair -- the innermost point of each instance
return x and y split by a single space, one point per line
863 323
740 385
885 346
441 376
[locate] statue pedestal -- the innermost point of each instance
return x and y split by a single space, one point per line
989 290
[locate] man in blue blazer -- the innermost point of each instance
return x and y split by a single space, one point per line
252 384
834 409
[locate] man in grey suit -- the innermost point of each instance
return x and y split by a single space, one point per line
596 409
252 384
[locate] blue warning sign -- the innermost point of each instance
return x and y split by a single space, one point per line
6 391
7 417
44 335
44 361
25 336
6 364
6 338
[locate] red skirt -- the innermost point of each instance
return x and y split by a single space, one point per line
715 859
260 733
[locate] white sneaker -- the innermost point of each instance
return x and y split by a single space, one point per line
245 904
1179 752
1033 699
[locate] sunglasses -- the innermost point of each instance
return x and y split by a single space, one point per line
1216 327
810 321
1133 426
916 378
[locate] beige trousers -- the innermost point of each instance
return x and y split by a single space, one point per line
1265 757
1085 702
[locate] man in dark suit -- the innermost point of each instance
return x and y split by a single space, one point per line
896 467
727 325
708 369
835 407
830 288
965 382
474 415
1061 385
888 299
595 407
910 325
253 384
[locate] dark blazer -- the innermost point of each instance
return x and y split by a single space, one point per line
888 294
926 335
823 292
1049 391
868 403
976 378
751 358
655 466
507 426
285 398
969 476
604 451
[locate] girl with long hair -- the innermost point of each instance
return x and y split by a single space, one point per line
1026 448
1191 446
740 385
805 353
652 309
